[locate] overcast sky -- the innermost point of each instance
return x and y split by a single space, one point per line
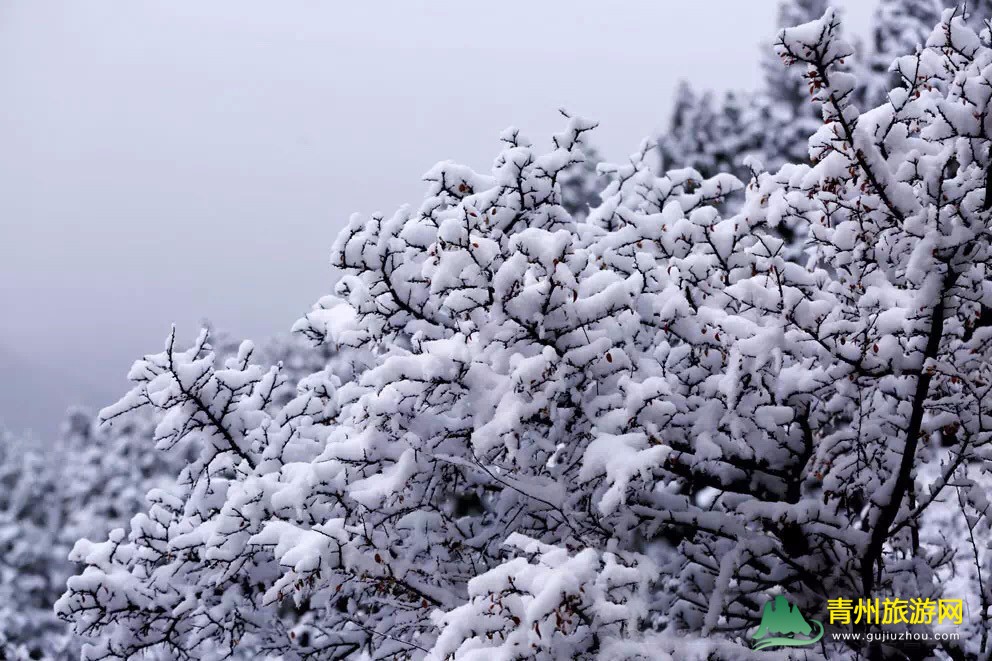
178 160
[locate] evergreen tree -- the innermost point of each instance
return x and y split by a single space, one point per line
785 95
581 185
899 27
710 135
770 125
691 131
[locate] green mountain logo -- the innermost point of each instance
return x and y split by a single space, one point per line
782 625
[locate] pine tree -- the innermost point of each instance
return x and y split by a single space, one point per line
771 125
581 185
712 136
749 132
690 131
899 27
785 93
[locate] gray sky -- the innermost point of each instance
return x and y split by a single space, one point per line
175 160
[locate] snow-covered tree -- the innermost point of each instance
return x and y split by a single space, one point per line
341 520
201 401
690 132
87 481
33 555
899 27
711 135
601 438
898 215
114 466
743 131
581 185
770 124
785 96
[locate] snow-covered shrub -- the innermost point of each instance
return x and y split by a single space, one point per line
84 483
666 418
581 185
89 480
559 606
500 332
33 557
